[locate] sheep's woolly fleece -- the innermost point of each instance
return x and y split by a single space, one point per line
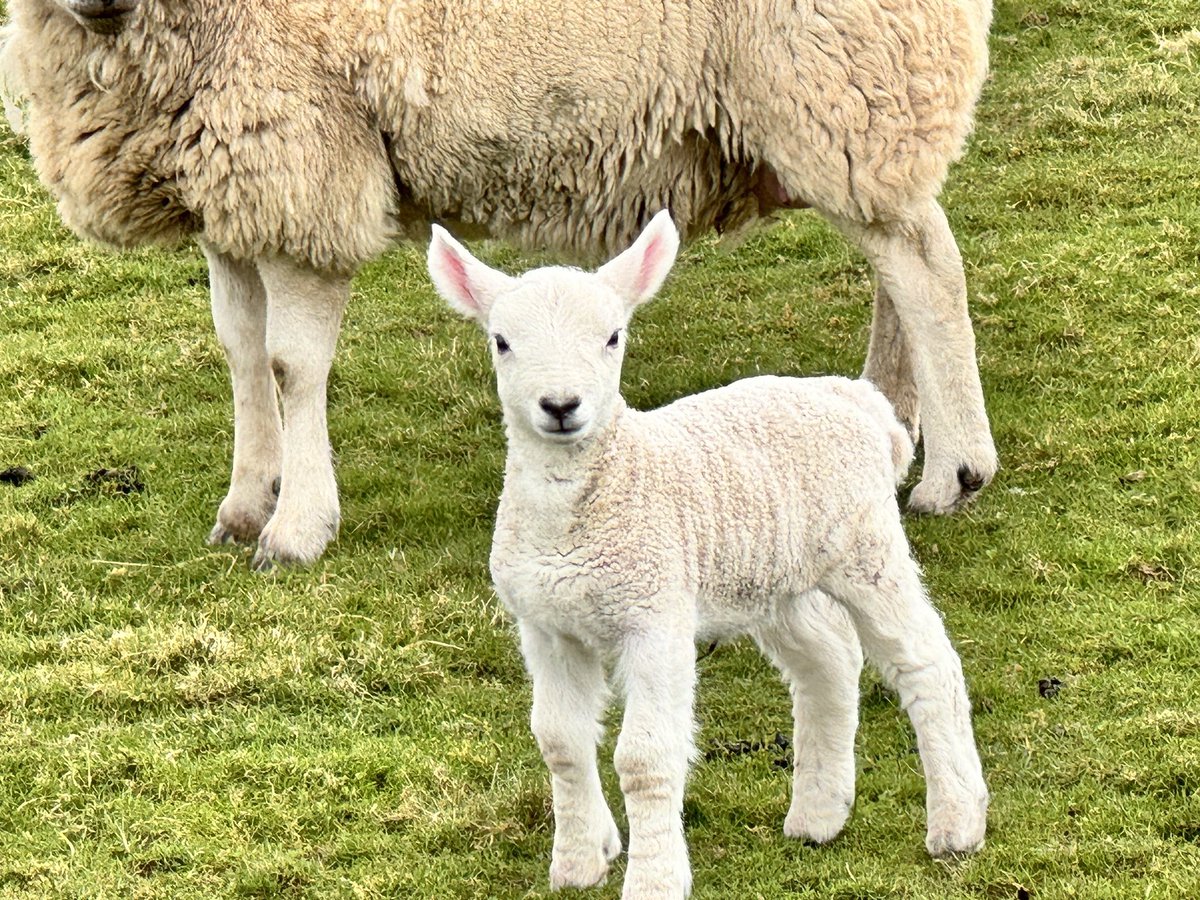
266 126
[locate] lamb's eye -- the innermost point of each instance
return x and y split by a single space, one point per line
614 340
501 343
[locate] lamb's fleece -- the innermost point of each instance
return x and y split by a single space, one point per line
766 508
265 125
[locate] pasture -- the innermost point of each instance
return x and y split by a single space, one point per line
173 725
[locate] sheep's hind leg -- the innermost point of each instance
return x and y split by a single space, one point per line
304 313
918 266
239 310
813 642
888 364
658 673
569 693
903 634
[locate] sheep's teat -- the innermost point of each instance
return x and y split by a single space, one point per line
100 16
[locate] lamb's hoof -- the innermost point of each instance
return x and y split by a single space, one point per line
957 829
659 878
817 822
286 542
585 867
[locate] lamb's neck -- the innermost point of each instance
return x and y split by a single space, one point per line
555 476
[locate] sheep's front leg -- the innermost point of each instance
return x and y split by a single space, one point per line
658 674
239 310
903 634
304 313
813 642
888 364
569 693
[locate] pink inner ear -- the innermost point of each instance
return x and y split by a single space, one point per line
457 271
649 264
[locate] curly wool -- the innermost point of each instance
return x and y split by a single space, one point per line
737 497
316 131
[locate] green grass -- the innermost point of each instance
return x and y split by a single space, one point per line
173 726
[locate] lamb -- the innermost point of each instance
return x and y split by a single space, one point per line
766 508
293 140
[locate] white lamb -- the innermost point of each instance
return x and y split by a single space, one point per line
765 508
293 138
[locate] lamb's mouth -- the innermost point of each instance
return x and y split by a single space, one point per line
561 432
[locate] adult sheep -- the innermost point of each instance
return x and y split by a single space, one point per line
292 139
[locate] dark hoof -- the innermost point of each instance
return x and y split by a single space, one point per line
263 563
971 482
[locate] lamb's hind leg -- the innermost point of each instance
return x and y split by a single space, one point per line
903 634
239 309
918 266
304 313
569 693
813 642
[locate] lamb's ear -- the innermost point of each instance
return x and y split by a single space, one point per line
639 272
468 285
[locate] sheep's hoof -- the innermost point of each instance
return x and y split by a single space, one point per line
242 516
970 480
220 535
941 497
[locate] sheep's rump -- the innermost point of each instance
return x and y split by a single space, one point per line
316 130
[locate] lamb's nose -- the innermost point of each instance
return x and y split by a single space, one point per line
559 409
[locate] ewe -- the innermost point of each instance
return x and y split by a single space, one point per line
292 139
765 508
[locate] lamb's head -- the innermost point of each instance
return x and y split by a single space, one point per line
100 16
557 335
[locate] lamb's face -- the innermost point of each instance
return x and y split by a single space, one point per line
557 342
100 16
557 335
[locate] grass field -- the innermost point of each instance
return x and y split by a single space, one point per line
174 726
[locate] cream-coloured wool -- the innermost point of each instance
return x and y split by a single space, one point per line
766 508
294 138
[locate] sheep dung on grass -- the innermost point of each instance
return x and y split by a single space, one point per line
294 139
766 508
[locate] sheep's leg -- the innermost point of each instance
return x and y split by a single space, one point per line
903 634
239 310
917 264
304 312
813 642
658 674
888 365
569 693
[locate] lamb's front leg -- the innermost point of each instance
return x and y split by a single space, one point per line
304 313
239 310
658 674
569 693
